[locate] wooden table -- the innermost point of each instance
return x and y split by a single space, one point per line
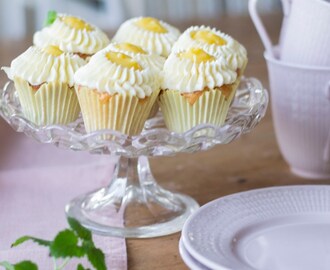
253 161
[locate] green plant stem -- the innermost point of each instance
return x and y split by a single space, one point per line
55 265
65 262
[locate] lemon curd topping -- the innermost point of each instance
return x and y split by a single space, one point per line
76 23
123 60
197 55
208 37
151 24
53 50
130 48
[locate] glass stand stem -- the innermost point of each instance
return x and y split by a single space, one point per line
133 205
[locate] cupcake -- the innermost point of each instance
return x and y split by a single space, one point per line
116 91
216 43
71 34
152 35
44 80
154 61
197 88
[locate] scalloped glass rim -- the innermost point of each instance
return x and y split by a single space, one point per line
246 111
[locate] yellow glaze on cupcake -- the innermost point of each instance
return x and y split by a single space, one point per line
116 90
214 42
72 34
194 70
150 34
154 61
43 65
44 80
115 72
197 88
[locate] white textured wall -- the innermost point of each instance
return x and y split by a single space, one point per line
185 9
23 17
12 18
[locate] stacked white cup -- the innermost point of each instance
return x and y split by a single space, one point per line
299 74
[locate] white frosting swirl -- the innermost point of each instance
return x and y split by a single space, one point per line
36 66
234 53
153 42
70 39
187 76
105 76
155 61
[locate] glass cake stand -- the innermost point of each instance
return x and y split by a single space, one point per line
143 207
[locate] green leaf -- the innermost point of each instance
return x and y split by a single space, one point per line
65 245
80 267
26 265
23 265
7 265
51 17
25 238
88 244
82 232
97 258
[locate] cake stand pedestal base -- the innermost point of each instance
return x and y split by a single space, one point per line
133 205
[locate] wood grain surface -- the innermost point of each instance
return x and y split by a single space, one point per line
252 161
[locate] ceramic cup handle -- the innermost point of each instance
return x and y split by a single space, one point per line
326 154
286 4
253 10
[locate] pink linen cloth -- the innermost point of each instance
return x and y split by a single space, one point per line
36 181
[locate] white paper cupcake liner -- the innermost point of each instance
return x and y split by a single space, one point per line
210 108
51 103
123 113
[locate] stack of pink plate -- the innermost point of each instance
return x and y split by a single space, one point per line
278 228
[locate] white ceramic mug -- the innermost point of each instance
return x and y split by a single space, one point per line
305 33
306 39
300 98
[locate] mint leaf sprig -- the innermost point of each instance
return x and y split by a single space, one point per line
24 265
75 242
51 17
